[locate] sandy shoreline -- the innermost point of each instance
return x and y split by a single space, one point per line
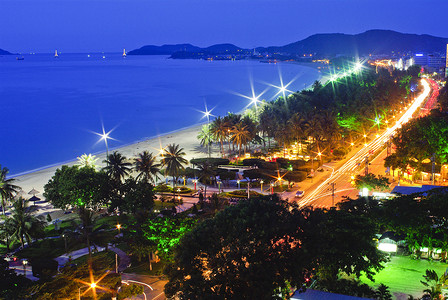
186 138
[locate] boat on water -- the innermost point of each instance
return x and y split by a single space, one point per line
56 55
124 52
20 58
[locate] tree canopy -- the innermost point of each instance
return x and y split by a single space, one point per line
262 247
78 187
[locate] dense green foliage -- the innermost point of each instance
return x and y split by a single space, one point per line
420 139
166 232
262 247
371 182
7 188
78 187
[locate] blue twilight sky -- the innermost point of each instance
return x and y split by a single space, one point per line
111 25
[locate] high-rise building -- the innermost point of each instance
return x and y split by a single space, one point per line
446 65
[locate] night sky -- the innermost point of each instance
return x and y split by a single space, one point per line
111 25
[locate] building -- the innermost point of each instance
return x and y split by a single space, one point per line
433 62
446 64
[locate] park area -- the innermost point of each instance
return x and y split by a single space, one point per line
402 275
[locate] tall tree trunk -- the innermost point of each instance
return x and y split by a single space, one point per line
222 148
150 264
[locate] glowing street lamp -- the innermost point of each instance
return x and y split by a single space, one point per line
238 182
207 114
104 137
118 227
261 184
24 263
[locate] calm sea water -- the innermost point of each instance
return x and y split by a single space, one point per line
50 107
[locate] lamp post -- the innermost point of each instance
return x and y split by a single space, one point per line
219 186
207 113
238 182
272 188
261 186
24 263
248 190
183 177
105 136
195 181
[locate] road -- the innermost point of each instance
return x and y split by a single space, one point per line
339 174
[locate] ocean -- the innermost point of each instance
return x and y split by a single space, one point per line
50 107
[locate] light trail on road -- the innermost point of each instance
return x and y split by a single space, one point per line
373 146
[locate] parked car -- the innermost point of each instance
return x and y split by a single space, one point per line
299 194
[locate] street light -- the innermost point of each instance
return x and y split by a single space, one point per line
238 182
261 184
207 114
105 136
24 263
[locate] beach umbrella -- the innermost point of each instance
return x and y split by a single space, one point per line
34 199
33 192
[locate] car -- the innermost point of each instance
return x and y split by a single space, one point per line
299 194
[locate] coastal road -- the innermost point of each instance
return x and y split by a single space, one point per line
340 175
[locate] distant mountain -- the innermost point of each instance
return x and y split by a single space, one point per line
328 45
187 48
4 52
164 50
372 41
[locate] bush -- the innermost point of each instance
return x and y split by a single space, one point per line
296 176
162 188
210 160
253 162
340 152
127 291
242 194
44 268
266 175
226 175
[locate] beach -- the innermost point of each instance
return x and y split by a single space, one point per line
186 138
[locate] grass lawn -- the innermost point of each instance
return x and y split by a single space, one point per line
107 259
142 267
403 274
50 248
49 230
158 205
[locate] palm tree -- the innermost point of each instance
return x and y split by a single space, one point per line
240 136
86 227
251 127
116 166
206 174
25 225
7 188
173 161
87 161
204 136
220 130
147 167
